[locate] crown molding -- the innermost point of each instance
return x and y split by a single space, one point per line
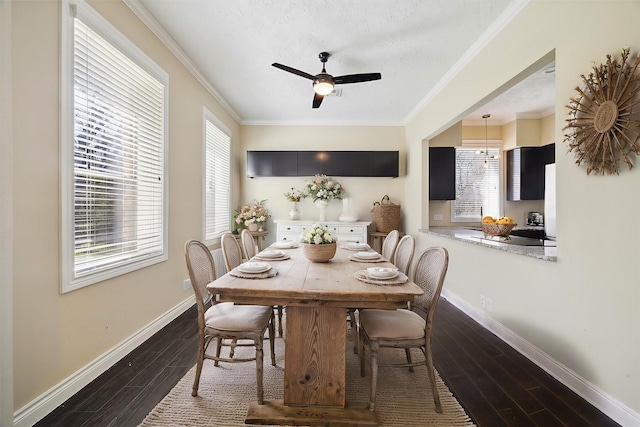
162 34
496 27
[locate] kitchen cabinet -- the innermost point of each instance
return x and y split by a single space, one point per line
331 163
442 173
525 172
343 231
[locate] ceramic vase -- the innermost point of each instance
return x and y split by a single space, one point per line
322 204
294 213
252 227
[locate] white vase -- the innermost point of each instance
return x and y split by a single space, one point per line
294 213
322 204
347 215
253 226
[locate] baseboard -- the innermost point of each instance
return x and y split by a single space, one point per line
41 406
613 408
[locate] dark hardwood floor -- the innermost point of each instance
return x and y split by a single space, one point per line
495 384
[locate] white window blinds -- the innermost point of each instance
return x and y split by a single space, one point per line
217 185
118 197
477 186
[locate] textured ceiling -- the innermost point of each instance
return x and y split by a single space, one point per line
415 44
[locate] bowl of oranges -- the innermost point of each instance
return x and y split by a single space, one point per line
497 226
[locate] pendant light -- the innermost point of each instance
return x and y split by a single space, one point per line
486 142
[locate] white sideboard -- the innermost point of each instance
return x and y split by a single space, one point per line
343 231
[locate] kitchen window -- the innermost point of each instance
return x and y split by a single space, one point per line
217 177
477 184
113 142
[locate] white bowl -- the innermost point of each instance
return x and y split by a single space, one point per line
357 246
368 255
254 267
382 272
271 254
284 244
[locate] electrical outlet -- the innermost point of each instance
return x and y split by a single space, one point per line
437 217
489 304
186 285
483 301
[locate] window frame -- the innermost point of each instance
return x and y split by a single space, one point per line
70 9
480 145
209 117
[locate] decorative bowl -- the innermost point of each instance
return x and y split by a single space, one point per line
502 230
319 253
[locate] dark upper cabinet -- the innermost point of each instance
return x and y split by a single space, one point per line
525 171
331 163
442 173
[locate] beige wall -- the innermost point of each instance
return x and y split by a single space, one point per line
584 309
56 335
362 192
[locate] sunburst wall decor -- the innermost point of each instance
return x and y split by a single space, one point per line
603 127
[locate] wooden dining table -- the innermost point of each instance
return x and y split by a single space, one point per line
316 296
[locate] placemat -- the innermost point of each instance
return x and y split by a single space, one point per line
265 258
363 277
264 275
354 258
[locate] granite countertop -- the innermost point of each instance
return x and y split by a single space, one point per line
476 237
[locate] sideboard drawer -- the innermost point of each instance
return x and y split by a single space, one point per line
282 228
352 230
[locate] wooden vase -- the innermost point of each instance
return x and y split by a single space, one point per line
319 253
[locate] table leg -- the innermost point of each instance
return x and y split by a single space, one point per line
314 372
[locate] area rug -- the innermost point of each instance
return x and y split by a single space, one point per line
404 398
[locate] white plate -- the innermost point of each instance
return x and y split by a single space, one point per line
254 267
271 254
368 255
284 244
356 246
382 272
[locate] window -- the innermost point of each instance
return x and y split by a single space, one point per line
113 153
217 175
477 186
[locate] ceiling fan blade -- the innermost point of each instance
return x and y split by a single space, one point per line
357 78
294 71
317 100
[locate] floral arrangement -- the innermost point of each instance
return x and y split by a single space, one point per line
323 188
254 213
318 234
294 195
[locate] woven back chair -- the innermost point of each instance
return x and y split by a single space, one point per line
249 322
231 251
249 248
404 254
389 245
406 329
248 244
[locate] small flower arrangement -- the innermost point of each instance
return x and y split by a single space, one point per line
323 188
294 195
318 234
254 213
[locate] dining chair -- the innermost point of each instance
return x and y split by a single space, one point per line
404 254
248 244
231 251
245 325
249 247
389 245
406 328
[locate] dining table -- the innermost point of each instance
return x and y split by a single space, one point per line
316 296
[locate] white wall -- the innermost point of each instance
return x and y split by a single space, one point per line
584 309
362 192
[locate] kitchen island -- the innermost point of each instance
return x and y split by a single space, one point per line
521 246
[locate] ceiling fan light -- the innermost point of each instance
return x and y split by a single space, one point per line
323 86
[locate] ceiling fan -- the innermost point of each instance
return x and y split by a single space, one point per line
324 83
